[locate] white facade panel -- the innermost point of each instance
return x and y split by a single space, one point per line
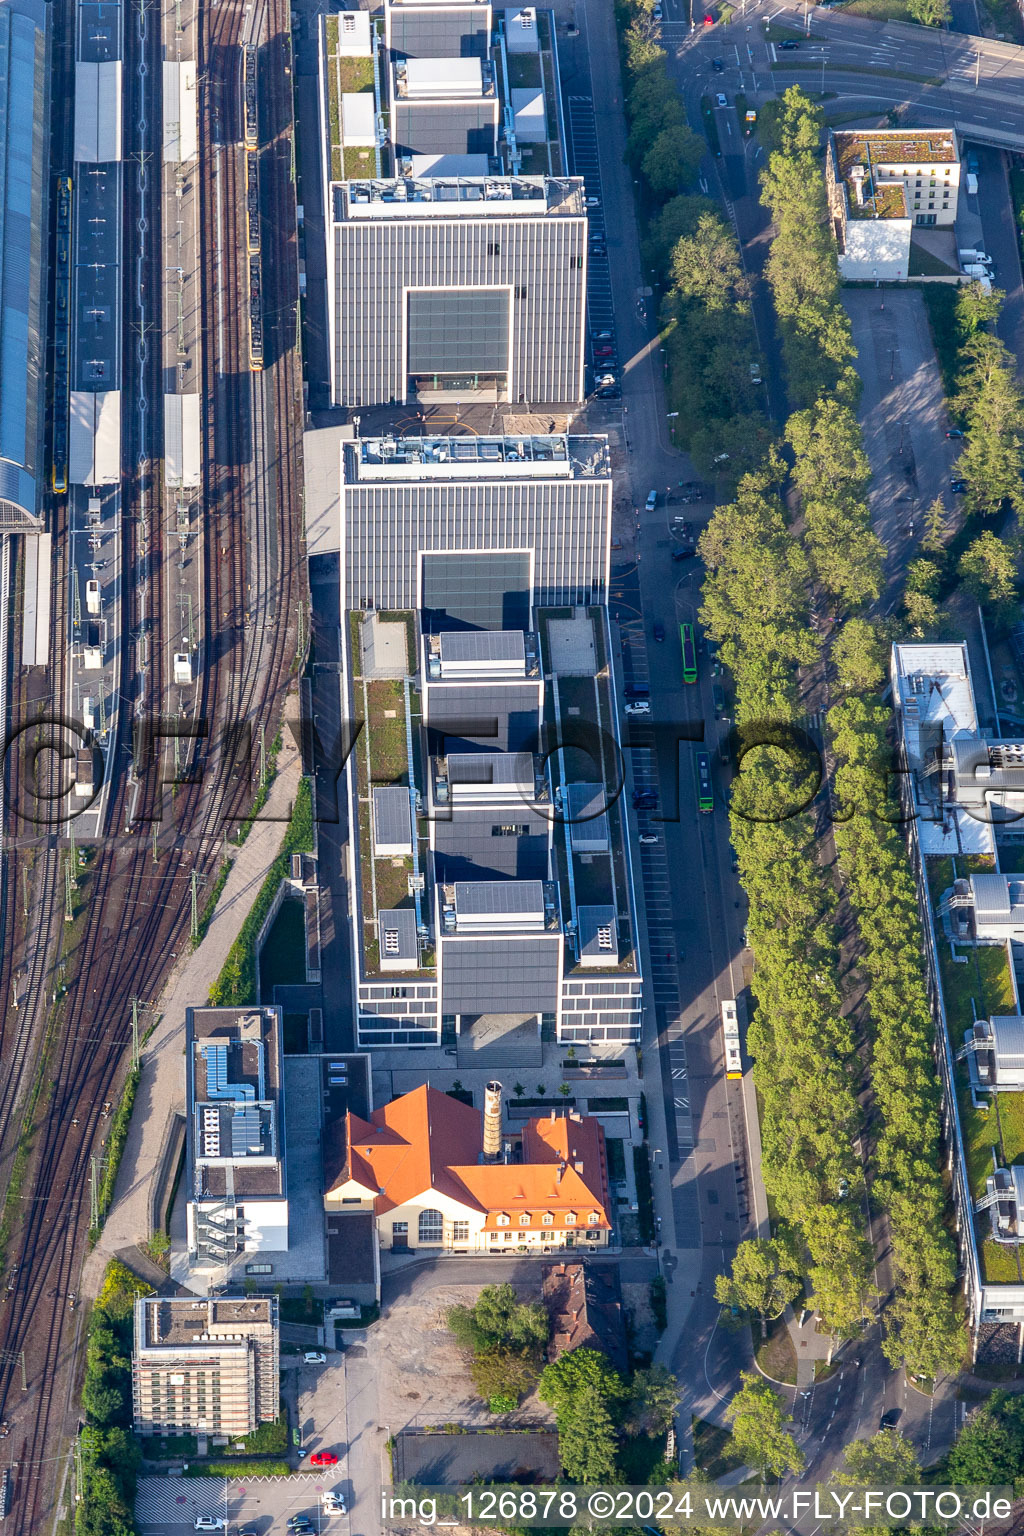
358 120
530 117
426 78
98 112
183 458
877 250
94 447
35 632
354 34
181 112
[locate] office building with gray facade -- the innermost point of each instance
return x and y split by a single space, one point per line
456 243
483 528
465 288
513 908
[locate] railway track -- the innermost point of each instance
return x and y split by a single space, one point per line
132 906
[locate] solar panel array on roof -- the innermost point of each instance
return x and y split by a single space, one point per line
491 768
500 975
392 819
519 896
438 33
482 645
478 591
485 717
463 128
508 843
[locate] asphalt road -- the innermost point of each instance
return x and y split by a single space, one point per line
945 78
648 587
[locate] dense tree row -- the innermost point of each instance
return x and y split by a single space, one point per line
595 1406
802 269
991 404
831 472
110 1455
925 1324
755 607
706 322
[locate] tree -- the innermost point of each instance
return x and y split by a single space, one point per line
841 1265
103 1400
930 13
653 1399
498 1319
859 654
990 1448
935 520
759 1435
501 1371
886 1460
977 309
565 1378
586 1438
706 265
922 614
672 160
988 570
765 1278
587 1394
991 401
678 218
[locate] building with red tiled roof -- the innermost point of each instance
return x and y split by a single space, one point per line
419 1165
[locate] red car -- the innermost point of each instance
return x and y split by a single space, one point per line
709 20
323 1459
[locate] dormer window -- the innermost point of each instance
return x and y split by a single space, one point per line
524 1218
548 1219
502 1219
592 1218
570 1218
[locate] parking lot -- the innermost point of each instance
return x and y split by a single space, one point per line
261 1504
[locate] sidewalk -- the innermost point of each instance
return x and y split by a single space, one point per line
161 1091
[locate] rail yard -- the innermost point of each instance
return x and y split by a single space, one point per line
189 554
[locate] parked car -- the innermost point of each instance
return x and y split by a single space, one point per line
958 485
788 44
718 66
683 554
652 500
954 432
294 1521
209 1523
720 100
659 630
315 1357
972 162
610 392
648 838
334 1503
755 373
593 202
890 1418
644 799
324 1459
657 11
642 707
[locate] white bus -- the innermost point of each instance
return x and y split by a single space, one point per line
731 1036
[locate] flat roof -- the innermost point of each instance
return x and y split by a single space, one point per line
921 146
502 456
592 923
171 1321
233 1071
392 815
482 645
509 843
515 768
479 196
935 698
482 897
500 975
400 922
